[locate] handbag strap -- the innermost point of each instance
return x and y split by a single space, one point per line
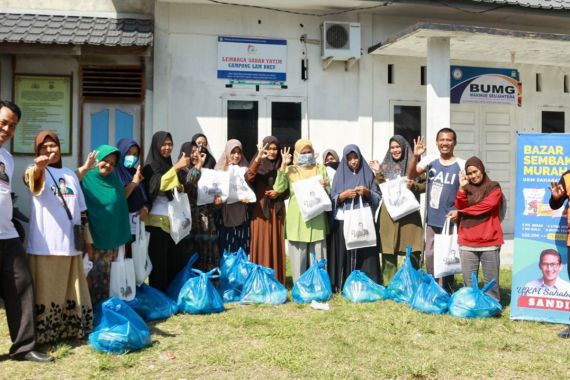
60 195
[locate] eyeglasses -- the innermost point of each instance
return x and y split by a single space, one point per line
549 265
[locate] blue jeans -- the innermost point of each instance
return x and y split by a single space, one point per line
489 260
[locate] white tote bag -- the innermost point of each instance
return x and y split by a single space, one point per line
239 189
213 183
399 200
139 249
122 283
446 258
179 216
359 229
312 198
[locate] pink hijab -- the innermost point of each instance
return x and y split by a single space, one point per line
236 213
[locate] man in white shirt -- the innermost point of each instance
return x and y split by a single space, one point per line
16 287
550 265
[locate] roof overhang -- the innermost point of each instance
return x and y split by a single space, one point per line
478 43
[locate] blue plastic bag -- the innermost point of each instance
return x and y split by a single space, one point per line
152 304
405 282
472 302
199 296
120 330
314 284
430 297
358 287
262 287
234 270
184 275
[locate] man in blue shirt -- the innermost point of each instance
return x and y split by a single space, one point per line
443 182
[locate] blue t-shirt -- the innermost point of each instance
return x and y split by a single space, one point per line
443 183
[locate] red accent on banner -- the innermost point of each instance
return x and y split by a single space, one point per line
544 303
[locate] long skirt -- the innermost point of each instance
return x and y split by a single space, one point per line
341 262
268 244
234 238
99 277
63 303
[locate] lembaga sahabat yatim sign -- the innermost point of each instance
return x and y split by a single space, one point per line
262 59
482 85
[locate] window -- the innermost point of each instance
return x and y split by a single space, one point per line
408 122
552 122
286 122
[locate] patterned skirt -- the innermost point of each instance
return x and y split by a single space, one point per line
63 304
99 277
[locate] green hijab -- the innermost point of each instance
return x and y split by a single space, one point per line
106 205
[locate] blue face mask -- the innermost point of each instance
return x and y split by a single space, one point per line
306 159
131 161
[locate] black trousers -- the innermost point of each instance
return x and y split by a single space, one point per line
17 291
163 255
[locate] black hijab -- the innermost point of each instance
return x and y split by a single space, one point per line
210 160
156 164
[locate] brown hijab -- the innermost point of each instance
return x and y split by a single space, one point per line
476 193
40 139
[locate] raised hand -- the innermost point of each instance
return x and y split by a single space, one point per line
463 181
183 162
557 190
419 146
138 177
374 165
261 152
41 162
286 157
91 160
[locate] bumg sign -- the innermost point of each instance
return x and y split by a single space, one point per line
482 85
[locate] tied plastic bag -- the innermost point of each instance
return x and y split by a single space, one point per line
122 283
359 229
262 287
234 270
212 183
184 275
312 198
179 216
430 297
152 304
472 302
358 287
405 283
399 200
120 329
199 296
239 189
446 260
139 250
314 284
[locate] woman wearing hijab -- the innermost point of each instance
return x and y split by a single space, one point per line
303 237
160 178
480 207
129 172
204 237
108 219
395 236
234 229
267 223
352 180
331 161
63 304
201 141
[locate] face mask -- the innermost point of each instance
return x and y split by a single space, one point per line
131 161
306 159
333 165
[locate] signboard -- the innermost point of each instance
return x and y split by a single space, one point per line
260 59
45 102
481 85
540 284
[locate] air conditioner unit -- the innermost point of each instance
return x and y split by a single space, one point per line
340 41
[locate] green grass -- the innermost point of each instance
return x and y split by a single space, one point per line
360 341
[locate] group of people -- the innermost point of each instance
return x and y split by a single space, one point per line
49 298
